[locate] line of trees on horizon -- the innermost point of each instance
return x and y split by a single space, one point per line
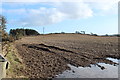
14 34
19 33
91 34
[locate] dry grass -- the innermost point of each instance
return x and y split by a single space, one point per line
16 67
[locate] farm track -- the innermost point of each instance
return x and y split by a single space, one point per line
50 56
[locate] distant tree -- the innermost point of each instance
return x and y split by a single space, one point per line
19 33
3 33
83 32
91 33
118 35
106 35
95 35
63 32
77 32
31 32
2 22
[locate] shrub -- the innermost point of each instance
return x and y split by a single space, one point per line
77 32
19 33
11 38
63 32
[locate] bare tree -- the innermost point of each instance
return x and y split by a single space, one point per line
83 32
3 33
2 22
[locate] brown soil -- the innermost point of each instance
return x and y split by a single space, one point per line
48 55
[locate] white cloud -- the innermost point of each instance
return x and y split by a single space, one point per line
63 10
41 16
105 7
14 11
57 0
60 12
40 0
75 10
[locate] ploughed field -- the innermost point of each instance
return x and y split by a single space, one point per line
48 55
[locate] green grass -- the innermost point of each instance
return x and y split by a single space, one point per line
16 67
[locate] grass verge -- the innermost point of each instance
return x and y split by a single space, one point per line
16 67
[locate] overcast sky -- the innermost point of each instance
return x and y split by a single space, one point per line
100 17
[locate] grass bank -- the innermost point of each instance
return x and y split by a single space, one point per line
16 67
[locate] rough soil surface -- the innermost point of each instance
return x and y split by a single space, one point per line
48 55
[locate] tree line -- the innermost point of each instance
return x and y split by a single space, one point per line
14 34
19 33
